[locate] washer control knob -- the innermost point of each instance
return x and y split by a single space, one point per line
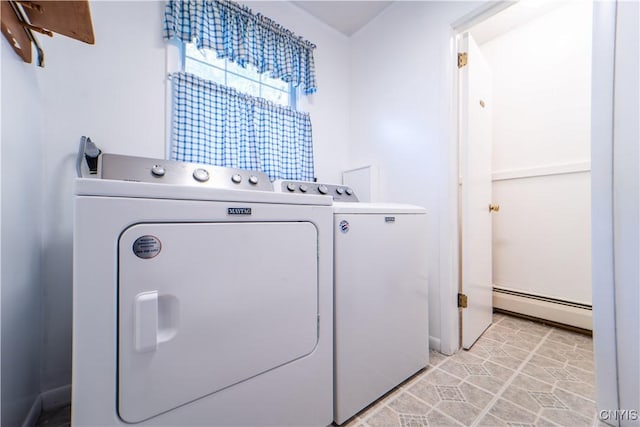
201 175
349 191
322 189
158 170
253 180
303 188
340 190
236 178
291 186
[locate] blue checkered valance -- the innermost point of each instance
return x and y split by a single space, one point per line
215 124
234 32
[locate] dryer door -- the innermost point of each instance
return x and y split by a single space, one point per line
205 306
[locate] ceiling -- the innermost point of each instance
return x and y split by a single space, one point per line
516 15
345 16
349 16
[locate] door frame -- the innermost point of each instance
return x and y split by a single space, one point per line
450 269
602 208
603 66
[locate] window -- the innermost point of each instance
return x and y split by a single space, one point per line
206 64
227 115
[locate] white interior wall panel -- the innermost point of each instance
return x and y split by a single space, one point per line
542 87
540 245
542 90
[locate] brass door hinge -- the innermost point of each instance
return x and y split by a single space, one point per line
462 59
462 301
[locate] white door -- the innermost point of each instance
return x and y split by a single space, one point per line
475 191
206 306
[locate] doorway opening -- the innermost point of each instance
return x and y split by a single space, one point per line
524 166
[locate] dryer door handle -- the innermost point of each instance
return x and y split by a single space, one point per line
146 321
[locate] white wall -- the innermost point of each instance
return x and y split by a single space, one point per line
114 91
21 178
541 124
401 109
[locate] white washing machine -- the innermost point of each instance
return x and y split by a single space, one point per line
381 295
201 297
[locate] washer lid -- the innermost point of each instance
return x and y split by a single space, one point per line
376 208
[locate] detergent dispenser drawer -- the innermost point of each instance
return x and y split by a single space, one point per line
203 307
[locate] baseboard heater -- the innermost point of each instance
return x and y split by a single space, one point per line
551 309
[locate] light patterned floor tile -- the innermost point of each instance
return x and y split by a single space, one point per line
565 417
485 374
413 420
524 325
405 403
588 377
452 396
510 413
576 403
519 373
383 417
490 421
435 358
581 341
438 419
462 412
474 395
425 389
499 352
382 401
543 422
563 353
583 389
497 317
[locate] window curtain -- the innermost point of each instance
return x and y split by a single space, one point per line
234 32
218 125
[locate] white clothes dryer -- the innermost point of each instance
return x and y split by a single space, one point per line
381 295
201 297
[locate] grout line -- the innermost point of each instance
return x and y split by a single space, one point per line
498 394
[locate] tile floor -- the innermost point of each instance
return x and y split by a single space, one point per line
519 373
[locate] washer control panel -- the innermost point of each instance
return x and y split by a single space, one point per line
141 169
340 193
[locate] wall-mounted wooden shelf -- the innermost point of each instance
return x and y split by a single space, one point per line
21 18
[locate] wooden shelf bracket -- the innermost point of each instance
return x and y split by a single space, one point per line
20 18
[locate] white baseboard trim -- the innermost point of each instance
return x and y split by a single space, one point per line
566 314
56 397
34 413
